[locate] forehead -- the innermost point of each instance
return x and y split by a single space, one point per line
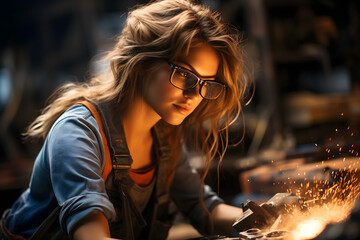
202 59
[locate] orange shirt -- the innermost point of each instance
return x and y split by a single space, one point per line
142 177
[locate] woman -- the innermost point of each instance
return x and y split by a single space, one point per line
175 66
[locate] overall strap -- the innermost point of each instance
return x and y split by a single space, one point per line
161 223
96 115
113 128
117 157
164 158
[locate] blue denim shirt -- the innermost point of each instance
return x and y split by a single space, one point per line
68 172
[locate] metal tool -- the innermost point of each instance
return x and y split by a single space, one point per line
263 216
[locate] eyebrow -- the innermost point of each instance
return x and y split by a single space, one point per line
189 67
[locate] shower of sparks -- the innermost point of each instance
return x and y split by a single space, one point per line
326 201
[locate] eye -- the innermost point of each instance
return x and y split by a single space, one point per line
184 74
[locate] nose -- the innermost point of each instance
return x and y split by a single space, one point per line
192 93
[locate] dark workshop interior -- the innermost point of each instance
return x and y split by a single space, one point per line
301 125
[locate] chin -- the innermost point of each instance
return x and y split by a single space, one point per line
174 122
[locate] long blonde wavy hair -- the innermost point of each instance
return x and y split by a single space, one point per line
158 31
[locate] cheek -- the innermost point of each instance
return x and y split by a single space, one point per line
158 89
198 101
169 92
165 88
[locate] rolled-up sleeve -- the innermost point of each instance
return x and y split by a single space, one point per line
75 158
185 193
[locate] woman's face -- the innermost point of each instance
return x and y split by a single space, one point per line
171 104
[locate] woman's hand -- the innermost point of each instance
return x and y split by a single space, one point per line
224 217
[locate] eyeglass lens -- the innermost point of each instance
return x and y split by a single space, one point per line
184 79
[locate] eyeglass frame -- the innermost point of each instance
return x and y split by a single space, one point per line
199 80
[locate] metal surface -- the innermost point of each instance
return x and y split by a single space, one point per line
255 233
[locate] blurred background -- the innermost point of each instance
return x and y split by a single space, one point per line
305 109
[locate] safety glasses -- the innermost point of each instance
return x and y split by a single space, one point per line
184 79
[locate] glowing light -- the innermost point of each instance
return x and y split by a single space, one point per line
309 229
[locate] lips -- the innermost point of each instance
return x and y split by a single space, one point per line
185 110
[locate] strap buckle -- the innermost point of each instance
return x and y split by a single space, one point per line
122 161
121 166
